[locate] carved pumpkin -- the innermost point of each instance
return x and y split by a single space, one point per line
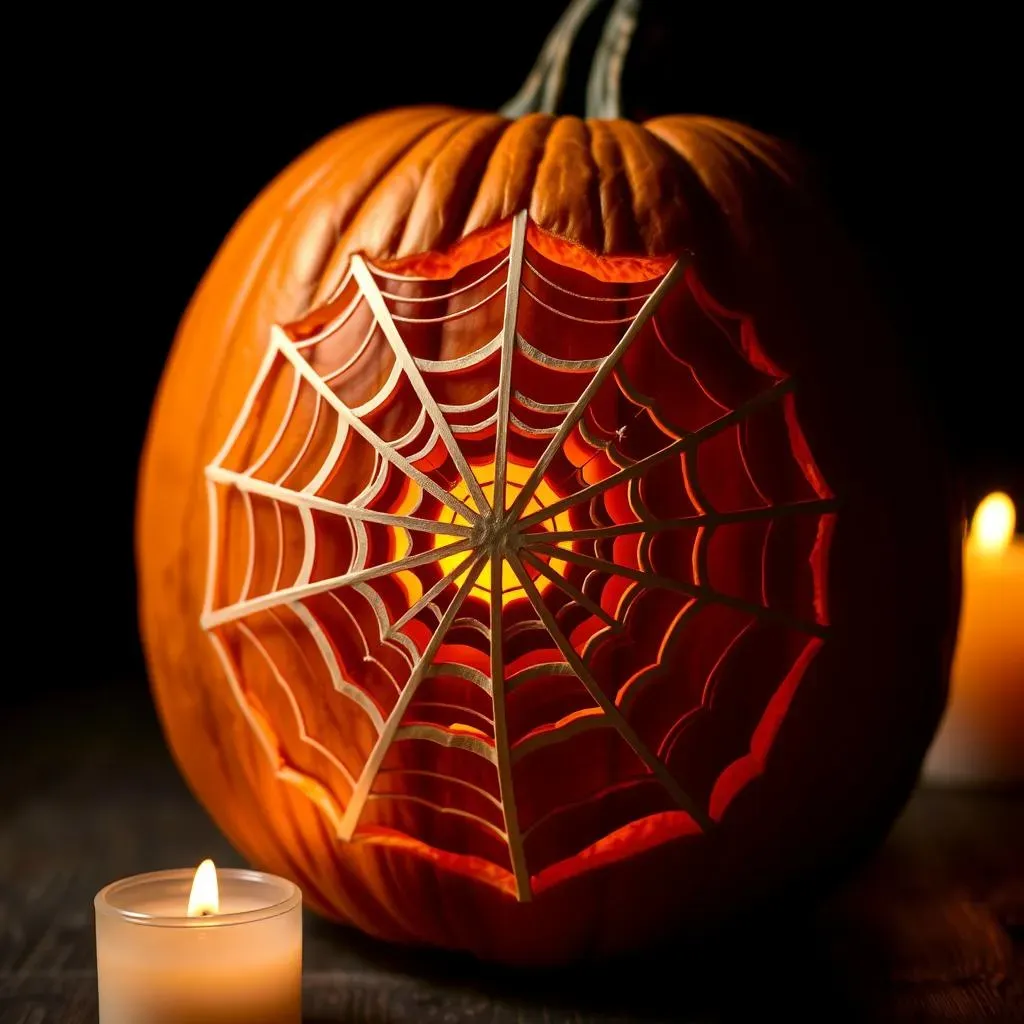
537 546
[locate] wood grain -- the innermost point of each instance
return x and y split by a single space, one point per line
931 929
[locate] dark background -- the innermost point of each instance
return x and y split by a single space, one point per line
162 133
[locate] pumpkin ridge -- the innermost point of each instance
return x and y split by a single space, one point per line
598 196
511 204
443 185
618 199
670 182
403 118
565 187
376 211
515 182
636 159
359 894
336 265
776 156
305 868
446 129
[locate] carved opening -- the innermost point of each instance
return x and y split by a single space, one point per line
517 556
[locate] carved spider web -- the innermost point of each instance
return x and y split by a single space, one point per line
454 529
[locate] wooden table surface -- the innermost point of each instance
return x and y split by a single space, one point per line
932 929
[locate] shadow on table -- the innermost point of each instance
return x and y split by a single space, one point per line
789 967
928 928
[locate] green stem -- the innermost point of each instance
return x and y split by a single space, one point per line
605 81
542 89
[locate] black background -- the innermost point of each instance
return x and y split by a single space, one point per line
162 132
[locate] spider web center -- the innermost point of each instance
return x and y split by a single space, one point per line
494 535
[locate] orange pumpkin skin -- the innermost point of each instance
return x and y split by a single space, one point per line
430 182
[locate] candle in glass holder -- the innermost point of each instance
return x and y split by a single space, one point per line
210 948
981 739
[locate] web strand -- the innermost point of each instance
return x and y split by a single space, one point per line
300 499
508 337
679 447
394 720
614 716
819 506
602 373
385 450
382 315
703 593
289 595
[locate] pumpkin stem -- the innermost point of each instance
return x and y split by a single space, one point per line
604 83
542 89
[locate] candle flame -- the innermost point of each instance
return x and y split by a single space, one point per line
993 524
204 898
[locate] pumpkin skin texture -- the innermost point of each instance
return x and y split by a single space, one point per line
425 190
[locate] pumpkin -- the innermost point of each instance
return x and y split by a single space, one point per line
539 548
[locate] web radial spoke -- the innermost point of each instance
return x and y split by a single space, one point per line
818 506
651 579
300 499
394 720
288 349
380 310
602 373
287 595
573 591
432 593
607 705
503 762
508 344
641 466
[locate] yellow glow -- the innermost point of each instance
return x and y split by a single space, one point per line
516 476
403 546
403 542
204 899
993 524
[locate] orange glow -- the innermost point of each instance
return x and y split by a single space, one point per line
467 730
993 524
516 478
204 899
488 242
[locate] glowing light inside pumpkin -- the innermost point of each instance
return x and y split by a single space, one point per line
993 524
516 477
204 899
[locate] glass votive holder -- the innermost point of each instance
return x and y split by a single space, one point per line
240 965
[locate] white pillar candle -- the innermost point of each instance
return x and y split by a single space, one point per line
240 963
982 735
